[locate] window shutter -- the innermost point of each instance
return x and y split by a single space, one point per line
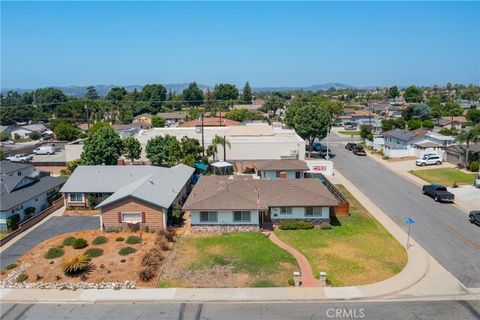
119 217
143 217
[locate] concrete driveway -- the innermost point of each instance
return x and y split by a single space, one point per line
53 227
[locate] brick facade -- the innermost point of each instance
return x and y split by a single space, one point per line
153 215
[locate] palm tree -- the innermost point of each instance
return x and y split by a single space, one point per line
471 134
218 140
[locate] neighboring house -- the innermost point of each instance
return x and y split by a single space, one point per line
448 122
416 143
128 194
144 117
281 169
211 122
25 131
241 203
6 129
456 154
127 130
24 191
173 117
362 115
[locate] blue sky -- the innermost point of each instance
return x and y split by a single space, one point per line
266 43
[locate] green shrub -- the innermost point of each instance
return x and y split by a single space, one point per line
99 240
13 221
295 225
474 166
134 240
90 201
325 226
120 239
68 241
94 252
126 250
73 265
79 243
11 266
54 253
123 261
291 282
22 277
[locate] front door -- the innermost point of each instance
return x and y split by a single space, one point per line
265 216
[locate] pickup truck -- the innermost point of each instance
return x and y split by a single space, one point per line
438 193
20 158
474 217
359 151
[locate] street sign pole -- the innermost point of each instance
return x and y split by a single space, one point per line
409 222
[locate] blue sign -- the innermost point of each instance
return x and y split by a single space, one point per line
410 221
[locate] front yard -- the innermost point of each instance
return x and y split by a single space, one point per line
356 251
350 133
445 176
246 259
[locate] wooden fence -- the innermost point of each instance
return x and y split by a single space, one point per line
27 224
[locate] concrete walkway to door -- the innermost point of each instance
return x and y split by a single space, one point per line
308 280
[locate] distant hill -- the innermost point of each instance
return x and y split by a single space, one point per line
103 89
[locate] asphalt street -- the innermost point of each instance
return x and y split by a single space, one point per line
51 228
405 310
441 228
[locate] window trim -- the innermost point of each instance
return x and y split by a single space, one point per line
313 215
76 201
208 216
242 212
288 211
131 213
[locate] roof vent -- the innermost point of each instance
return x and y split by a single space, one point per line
150 180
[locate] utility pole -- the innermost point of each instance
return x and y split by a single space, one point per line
203 139
88 119
224 148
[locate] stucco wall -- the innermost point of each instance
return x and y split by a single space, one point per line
298 213
224 217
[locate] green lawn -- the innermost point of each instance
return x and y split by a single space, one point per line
357 250
3 234
349 133
243 259
444 176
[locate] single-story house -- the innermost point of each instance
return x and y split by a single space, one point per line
211 122
416 143
128 194
144 117
281 169
5 129
25 131
456 154
243 203
24 191
450 123
173 117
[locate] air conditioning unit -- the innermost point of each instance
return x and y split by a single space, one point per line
293 152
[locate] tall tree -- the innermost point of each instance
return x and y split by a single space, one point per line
222 141
116 94
413 94
247 94
453 109
435 107
91 93
225 91
102 147
158 122
132 149
158 149
471 134
156 94
65 131
473 115
193 95
393 92
273 104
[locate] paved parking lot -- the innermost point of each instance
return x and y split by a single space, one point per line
54 226
59 156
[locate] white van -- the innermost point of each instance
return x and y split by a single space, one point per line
44 150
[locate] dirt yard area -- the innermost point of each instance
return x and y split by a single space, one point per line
80 212
109 264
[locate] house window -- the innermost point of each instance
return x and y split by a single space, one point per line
75 197
19 173
277 174
208 216
131 217
313 212
285 210
297 174
241 216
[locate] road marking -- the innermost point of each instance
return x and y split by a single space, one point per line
464 238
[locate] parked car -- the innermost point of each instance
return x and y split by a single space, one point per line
350 146
351 128
20 158
45 150
477 181
323 152
429 159
8 143
438 193
474 217
359 151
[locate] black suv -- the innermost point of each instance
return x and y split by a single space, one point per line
474 217
359 151
350 146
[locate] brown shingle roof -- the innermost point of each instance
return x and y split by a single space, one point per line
239 193
281 165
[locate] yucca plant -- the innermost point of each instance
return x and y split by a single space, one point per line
75 264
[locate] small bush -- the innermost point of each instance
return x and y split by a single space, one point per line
22 277
123 261
291 282
169 234
295 225
68 241
455 185
386 158
134 240
125 251
152 258
94 252
120 239
325 226
54 253
79 243
99 240
474 166
11 266
13 221
146 273
75 264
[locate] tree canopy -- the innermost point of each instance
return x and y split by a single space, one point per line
102 147
413 94
158 122
247 94
193 95
225 91
65 131
131 148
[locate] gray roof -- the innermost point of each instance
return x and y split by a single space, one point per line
19 196
156 185
277 165
404 135
7 167
172 115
